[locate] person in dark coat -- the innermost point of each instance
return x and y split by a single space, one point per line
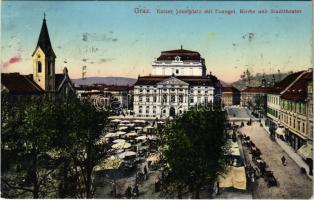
128 192
283 160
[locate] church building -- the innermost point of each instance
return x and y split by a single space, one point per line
44 80
178 82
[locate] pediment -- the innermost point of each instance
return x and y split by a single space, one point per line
172 81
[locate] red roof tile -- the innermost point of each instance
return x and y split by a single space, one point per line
182 53
191 80
230 89
284 83
298 91
20 84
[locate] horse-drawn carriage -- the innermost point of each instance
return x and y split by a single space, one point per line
270 179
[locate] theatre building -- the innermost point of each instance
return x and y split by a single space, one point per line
178 81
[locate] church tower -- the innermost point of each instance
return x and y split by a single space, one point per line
44 61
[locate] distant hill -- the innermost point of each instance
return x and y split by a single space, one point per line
256 80
104 80
224 84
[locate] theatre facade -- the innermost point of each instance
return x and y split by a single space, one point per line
178 82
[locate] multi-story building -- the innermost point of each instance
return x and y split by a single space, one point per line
294 111
255 98
273 98
230 96
178 82
310 110
107 96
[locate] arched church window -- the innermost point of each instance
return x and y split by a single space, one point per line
39 67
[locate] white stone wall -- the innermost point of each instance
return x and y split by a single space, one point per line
177 68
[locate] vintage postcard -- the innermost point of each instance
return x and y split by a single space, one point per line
157 99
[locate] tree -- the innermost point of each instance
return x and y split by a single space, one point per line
193 151
81 126
50 147
26 140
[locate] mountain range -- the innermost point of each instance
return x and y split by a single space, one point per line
104 80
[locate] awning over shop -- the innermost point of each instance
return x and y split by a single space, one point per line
306 151
280 131
234 177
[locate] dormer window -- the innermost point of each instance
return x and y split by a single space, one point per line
177 58
39 67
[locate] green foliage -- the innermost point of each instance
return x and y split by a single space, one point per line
193 150
50 147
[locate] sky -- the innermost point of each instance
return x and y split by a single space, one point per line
111 39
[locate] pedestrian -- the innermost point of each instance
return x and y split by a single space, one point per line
136 191
283 160
145 169
128 192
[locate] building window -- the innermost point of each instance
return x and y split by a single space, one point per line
147 99
39 67
173 98
177 71
180 98
164 98
140 98
141 90
147 91
140 109
303 127
155 98
147 109
164 111
192 100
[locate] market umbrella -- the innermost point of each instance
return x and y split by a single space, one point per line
121 145
130 125
120 133
139 121
109 163
149 127
116 120
127 154
160 122
143 137
123 128
109 135
125 121
131 134
118 141
138 128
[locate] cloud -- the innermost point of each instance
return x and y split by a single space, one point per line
11 61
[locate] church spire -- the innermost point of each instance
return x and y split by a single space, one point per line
44 40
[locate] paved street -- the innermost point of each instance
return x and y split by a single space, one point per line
292 184
238 112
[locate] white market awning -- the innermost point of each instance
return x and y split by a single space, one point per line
280 131
306 151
